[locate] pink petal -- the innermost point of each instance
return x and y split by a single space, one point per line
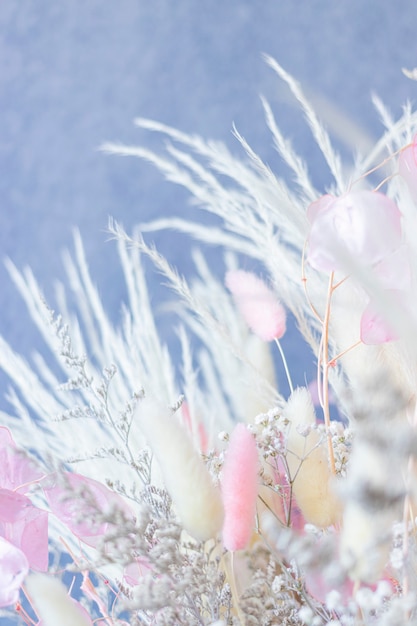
13 569
26 527
407 166
374 328
13 506
17 469
135 571
34 539
70 505
394 271
258 305
318 207
239 483
366 224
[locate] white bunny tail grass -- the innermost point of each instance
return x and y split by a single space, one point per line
310 474
196 499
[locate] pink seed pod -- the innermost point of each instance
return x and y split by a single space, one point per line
365 224
239 483
258 305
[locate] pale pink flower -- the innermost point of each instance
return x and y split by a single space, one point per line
25 526
78 503
239 482
134 572
374 328
365 224
260 308
394 271
18 471
14 567
393 274
21 523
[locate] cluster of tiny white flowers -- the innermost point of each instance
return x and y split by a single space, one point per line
270 429
342 438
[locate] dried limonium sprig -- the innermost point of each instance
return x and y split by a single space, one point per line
290 516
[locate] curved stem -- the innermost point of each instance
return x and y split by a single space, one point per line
284 361
381 164
332 361
326 366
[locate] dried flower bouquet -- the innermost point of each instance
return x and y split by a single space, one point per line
139 489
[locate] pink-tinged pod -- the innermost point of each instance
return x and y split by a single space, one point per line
363 224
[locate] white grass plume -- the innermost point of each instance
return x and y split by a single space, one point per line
52 602
195 497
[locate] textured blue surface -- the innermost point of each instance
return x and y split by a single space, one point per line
73 74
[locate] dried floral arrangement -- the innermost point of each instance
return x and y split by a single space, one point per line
139 490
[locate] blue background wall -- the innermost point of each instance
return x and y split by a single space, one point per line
74 74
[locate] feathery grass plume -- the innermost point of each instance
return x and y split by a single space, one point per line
261 310
310 475
207 312
196 499
98 391
53 604
254 400
239 483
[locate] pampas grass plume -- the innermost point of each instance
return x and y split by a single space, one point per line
52 602
239 488
196 499
258 305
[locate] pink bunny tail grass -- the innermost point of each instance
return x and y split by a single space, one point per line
239 484
258 305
